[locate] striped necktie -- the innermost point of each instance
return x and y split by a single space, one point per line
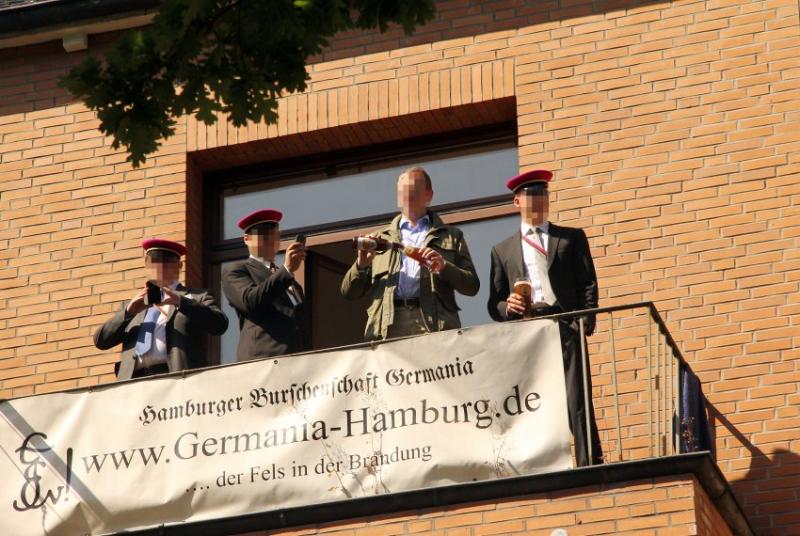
540 237
144 339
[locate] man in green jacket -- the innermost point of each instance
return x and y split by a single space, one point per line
411 297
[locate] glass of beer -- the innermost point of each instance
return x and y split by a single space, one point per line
523 287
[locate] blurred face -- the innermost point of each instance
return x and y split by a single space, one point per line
533 204
162 268
263 240
413 195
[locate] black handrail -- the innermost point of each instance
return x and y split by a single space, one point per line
654 314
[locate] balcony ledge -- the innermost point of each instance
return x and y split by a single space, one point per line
698 464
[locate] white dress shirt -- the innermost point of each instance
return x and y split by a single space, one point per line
528 252
412 235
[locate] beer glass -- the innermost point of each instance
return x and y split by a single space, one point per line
523 287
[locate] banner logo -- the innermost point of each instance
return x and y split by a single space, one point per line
32 496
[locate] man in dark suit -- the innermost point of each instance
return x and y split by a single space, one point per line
267 299
557 263
163 334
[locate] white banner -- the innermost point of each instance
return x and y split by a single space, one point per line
477 404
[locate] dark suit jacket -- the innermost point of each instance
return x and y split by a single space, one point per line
269 323
569 266
197 315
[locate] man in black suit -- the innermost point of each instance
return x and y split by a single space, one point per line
161 332
557 262
267 299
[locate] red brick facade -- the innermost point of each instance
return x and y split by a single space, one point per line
667 506
672 128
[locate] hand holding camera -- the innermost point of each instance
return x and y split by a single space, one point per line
295 254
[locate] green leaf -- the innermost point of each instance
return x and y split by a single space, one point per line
203 56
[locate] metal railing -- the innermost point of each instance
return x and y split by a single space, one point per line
636 391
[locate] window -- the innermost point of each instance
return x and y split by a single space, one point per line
481 236
362 191
336 197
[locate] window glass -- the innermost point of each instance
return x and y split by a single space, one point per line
363 192
481 236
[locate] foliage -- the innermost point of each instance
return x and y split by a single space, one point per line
206 56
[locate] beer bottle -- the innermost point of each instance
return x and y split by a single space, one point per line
373 243
381 245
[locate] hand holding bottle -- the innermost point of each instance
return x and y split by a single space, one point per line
367 247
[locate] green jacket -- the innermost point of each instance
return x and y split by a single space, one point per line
437 291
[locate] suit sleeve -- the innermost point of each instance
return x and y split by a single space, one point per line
249 297
461 274
205 313
499 291
587 278
112 332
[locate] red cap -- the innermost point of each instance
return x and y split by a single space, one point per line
267 215
529 177
165 245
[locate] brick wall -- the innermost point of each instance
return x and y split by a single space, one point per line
672 128
707 517
73 215
669 506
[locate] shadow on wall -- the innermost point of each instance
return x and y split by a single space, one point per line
33 70
770 489
29 75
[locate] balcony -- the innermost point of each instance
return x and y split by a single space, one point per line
656 475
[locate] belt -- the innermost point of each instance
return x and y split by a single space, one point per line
406 302
141 372
546 311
